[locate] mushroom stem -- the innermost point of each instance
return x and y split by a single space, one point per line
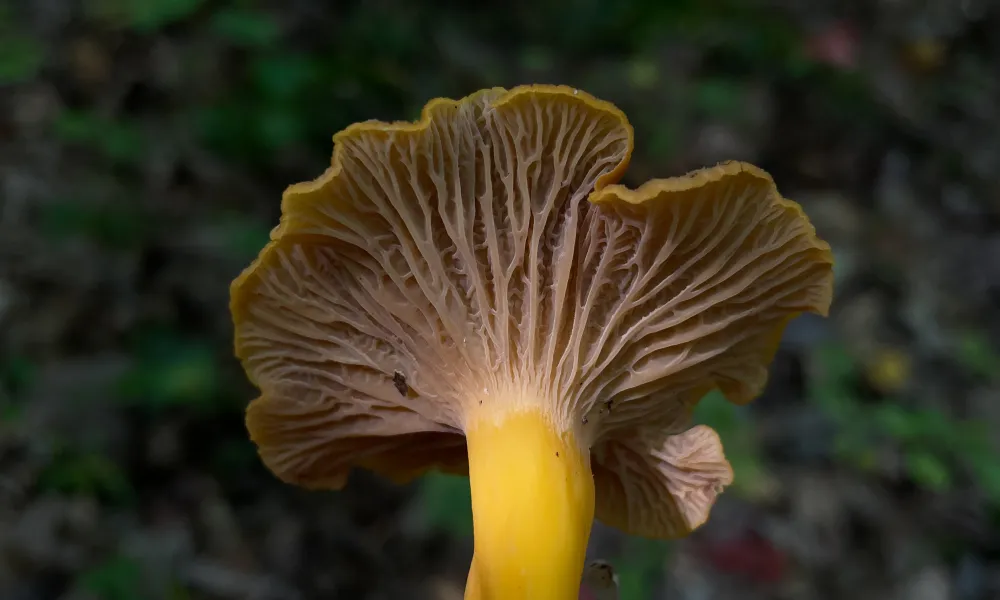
532 507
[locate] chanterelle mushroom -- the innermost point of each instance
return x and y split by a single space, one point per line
472 292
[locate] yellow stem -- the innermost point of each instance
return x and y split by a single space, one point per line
532 507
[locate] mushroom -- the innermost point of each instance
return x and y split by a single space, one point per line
474 293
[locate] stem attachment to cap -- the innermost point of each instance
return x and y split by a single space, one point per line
532 506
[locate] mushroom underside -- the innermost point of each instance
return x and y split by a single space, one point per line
485 257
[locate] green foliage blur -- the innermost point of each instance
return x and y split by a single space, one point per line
937 450
285 96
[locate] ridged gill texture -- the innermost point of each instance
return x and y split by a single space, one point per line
485 256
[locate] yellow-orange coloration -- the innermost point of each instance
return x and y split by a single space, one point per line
488 246
532 504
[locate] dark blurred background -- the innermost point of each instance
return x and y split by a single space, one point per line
144 145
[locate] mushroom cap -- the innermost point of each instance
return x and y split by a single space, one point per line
485 255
